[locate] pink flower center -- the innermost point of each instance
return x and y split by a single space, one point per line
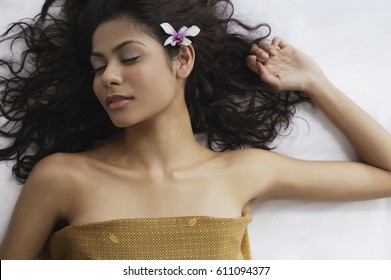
178 38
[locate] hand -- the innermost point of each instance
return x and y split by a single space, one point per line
283 67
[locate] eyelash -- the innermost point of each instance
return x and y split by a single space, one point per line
126 61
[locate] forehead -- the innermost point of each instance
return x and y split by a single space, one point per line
114 32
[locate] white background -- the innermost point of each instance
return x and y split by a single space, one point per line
351 40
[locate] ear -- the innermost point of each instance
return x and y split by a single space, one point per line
185 61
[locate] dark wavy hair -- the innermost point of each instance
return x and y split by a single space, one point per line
47 97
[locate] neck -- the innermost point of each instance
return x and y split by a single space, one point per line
162 144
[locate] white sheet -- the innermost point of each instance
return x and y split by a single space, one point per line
350 39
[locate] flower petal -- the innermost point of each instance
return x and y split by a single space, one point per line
183 29
192 31
168 28
169 40
186 42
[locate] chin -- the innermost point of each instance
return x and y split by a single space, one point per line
121 122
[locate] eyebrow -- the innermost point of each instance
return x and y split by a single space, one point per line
118 47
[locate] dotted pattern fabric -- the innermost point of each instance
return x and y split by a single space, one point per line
179 238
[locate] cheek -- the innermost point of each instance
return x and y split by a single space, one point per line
159 78
97 89
95 86
160 89
156 89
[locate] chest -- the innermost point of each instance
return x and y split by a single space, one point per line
118 197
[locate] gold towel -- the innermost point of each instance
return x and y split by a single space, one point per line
190 237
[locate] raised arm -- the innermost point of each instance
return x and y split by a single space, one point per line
286 68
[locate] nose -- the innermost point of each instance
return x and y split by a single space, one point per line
111 76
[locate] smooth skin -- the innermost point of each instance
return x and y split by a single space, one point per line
157 169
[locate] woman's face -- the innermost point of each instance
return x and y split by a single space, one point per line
133 79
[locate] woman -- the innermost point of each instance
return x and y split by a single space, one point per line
137 184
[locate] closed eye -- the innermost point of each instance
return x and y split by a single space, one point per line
125 61
99 69
131 60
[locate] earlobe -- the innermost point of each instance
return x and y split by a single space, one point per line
185 60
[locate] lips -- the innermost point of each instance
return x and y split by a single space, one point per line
118 101
116 98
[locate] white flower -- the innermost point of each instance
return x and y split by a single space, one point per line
179 38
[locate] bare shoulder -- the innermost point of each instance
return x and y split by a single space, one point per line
251 159
46 198
57 181
58 169
58 175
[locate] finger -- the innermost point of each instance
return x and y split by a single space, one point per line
261 55
251 63
265 45
268 47
279 43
